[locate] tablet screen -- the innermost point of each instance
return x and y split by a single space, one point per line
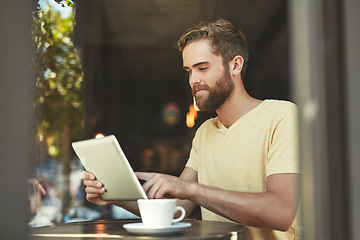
105 159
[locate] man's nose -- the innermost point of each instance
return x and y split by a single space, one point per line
194 78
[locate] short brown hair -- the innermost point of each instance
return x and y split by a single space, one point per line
226 40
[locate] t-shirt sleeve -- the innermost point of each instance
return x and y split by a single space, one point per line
192 161
284 149
193 158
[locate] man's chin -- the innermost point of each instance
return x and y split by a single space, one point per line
203 108
203 105
200 104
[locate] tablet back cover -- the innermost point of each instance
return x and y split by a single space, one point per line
105 159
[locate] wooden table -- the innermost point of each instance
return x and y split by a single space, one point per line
113 229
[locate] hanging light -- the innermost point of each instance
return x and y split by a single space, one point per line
99 135
191 115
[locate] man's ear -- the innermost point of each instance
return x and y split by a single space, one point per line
236 65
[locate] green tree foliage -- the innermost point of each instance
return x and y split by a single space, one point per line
69 3
58 82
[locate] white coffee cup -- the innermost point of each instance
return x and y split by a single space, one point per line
159 213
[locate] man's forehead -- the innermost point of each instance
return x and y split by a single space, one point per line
198 46
198 52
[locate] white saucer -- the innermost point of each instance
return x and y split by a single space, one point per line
139 228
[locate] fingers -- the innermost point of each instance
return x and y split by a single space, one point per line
93 183
94 187
152 190
144 175
95 190
158 193
159 185
156 186
87 176
152 186
150 180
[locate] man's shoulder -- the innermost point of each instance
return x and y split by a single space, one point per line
280 103
211 123
280 106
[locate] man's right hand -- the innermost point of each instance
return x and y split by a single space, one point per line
94 189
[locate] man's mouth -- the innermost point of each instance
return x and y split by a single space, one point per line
199 90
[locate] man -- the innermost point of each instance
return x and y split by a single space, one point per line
243 163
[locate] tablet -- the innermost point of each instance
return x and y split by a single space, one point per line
104 158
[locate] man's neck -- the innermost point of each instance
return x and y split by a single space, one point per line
236 106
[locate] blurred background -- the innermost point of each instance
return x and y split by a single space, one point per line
72 70
111 67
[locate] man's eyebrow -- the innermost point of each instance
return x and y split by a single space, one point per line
197 64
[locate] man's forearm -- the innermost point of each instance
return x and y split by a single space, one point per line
271 209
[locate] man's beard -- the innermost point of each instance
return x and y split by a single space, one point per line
217 95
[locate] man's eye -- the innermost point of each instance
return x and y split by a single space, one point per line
203 68
187 73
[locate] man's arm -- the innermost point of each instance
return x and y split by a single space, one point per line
276 208
94 189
